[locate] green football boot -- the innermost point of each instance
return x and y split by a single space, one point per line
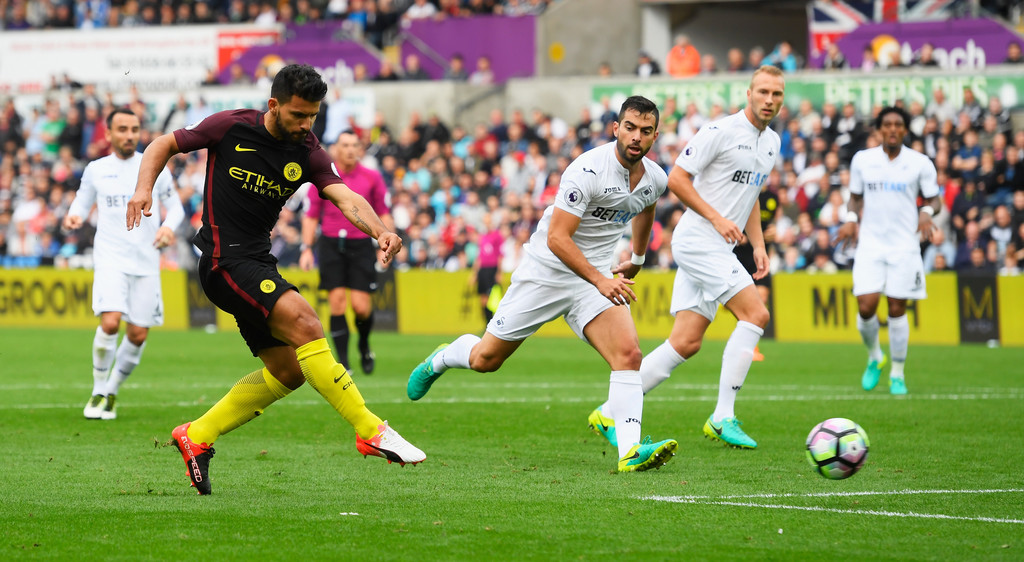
873 372
728 432
646 455
423 376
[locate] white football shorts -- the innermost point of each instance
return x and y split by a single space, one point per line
530 303
137 297
706 278
900 275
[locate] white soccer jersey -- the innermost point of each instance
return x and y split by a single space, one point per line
729 160
890 189
595 187
109 182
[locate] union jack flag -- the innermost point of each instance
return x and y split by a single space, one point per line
829 20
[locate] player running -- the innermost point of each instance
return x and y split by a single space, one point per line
718 176
568 271
126 276
887 226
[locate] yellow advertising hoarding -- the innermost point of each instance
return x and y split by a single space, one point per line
63 297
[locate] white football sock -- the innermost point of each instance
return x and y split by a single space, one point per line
626 402
128 356
736 360
658 364
899 341
103 345
456 354
868 328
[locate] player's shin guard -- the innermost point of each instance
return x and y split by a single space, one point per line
128 357
899 341
626 402
103 345
246 400
658 364
736 360
335 384
868 328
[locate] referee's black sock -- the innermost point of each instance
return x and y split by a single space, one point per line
339 333
363 326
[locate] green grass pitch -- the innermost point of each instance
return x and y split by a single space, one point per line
512 471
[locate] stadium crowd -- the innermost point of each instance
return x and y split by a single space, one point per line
451 183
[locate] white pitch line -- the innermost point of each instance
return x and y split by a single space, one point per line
576 399
855 511
836 494
720 500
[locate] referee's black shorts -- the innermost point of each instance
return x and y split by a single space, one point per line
347 262
247 289
745 253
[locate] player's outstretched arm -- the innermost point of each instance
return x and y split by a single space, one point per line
154 159
357 210
681 183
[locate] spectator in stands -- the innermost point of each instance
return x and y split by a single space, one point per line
755 58
736 61
834 58
420 10
966 208
413 70
646 66
867 60
925 56
238 75
483 75
1013 54
386 73
967 159
1001 231
381 22
939 247
708 64
940 107
456 69
971 108
683 59
784 57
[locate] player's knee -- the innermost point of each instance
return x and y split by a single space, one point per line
760 318
291 378
686 347
632 359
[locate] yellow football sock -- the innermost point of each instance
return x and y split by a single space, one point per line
334 383
246 400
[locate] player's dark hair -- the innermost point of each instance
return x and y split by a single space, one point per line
298 80
641 105
892 109
118 110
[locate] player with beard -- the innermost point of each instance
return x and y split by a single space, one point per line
719 176
887 226
256 161
126 276
569 270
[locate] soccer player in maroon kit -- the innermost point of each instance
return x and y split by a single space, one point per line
256 161
346 254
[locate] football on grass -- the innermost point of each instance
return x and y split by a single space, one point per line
837 448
